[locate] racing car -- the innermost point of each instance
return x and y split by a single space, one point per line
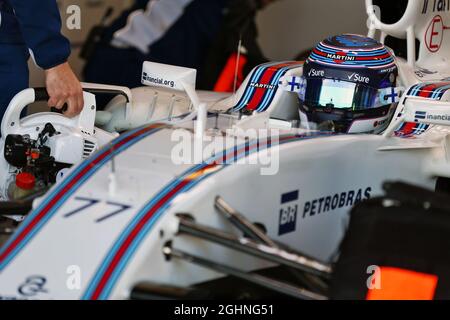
148 214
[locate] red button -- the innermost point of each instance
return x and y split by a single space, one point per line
25 181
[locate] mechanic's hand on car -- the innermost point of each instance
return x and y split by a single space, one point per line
63 88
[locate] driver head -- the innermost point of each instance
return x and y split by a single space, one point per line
350 85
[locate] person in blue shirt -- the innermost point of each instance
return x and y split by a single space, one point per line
33 27
199 34
183 29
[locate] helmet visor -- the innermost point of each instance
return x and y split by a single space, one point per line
333 93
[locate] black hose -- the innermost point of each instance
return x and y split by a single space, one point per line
20 207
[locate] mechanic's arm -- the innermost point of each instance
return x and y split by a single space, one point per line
40 23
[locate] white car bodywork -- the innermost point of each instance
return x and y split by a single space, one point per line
77 140
101 229
426 21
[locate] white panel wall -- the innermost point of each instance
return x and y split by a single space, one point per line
92 12
288 27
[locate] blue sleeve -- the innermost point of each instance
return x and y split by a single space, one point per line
40 23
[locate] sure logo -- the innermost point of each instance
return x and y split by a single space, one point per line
316 73
288 212
358 78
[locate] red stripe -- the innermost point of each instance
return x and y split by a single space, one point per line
358 50
123 248
384 56
428 90
60 194
387 55
130 238
320 53
267 76
408 128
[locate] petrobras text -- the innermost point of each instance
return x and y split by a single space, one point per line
335 201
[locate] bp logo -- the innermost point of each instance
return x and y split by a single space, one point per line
288 212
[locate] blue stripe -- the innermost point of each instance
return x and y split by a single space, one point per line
440 92
58 188
354 53
355 62
249 91
132 248
419 129
412 91
141 213
355 65
436 94
129 228
270 93
416 89
359 61
61 186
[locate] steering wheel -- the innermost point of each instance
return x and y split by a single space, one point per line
12 123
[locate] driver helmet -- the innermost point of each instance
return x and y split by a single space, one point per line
349 85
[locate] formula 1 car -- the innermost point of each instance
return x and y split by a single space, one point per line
155 211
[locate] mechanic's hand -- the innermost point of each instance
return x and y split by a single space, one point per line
63 87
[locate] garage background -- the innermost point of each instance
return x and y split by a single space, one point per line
301 24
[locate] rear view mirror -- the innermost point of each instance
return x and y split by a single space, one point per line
171 77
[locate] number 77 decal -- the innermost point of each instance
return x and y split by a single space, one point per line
89 203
